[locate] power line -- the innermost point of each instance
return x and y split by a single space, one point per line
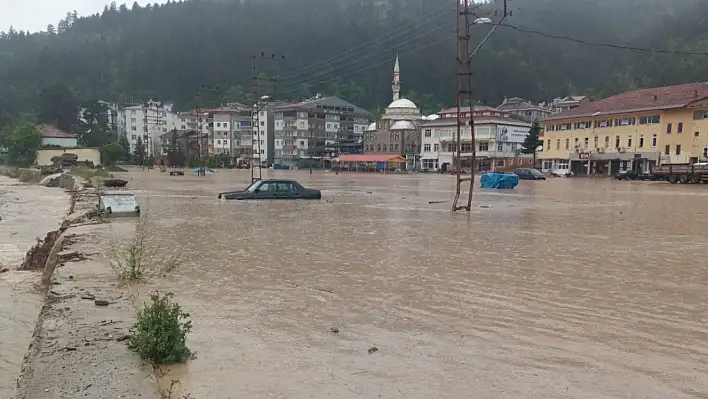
377 41
335 69
359 60
370 66
607 45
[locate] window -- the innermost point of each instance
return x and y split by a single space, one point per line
385 148
428 132
696 134
641 141
577 142
629 141
607 141
668 128
218 124
500 163
678 149
567 144
679 128
395 147
133 128
518 161
667 150
436 147
603 123
548 145
650 120
596 141
484 145
698 115
262 123
558 144
500 147
653 141
586 142
426 148
466 147
617 141
625 121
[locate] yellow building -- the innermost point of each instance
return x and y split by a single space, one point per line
634 130
45 155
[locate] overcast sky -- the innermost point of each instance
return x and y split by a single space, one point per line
35 15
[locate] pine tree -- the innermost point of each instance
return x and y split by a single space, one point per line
532 141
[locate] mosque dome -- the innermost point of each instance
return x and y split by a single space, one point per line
402 103
403 125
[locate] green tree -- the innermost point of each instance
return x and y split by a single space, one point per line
22 140
139 153
58 106
125 145
532 141
93 126
112 153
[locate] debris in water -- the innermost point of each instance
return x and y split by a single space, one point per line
437 202
334 330
4 270
100 302
90 297
373 350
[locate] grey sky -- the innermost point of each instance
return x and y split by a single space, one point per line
35 15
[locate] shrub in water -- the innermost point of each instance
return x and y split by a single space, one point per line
160 334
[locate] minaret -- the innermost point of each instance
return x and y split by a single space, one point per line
396 80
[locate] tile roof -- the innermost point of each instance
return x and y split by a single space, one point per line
640 100
54 132
371 158
476 108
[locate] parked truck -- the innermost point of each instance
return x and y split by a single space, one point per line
682 173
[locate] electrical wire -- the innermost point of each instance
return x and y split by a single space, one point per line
349 53
335 69
368 67
606 45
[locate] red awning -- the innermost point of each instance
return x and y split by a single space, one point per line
390 158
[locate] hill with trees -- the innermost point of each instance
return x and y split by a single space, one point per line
346 48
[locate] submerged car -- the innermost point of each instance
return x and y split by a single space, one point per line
529 174
273 189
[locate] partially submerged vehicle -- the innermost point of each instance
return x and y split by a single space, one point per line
118 203
273 189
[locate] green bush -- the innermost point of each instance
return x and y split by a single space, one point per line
160 334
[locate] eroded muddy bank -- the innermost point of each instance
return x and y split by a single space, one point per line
76 347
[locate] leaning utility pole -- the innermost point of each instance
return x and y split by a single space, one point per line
258 107
464 92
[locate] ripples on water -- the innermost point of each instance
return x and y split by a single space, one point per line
567 288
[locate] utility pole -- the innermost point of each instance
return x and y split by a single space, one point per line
200 126
260 103
309 146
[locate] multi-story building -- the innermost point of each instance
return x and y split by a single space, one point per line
632 130
563 104
148 121
320 127
524 109
263 142
497 138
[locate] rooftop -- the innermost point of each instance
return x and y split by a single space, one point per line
655 99
334 102
50 131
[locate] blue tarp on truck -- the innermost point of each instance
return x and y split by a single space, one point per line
501 181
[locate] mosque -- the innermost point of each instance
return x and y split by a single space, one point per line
398 130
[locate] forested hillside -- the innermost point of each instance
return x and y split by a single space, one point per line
168 51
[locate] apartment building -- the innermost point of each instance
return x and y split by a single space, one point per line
633 130
525 109
148 121
498 138
320 127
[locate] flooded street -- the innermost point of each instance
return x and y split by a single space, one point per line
27 212
567 288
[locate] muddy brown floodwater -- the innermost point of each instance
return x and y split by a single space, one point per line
27 212
567 288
